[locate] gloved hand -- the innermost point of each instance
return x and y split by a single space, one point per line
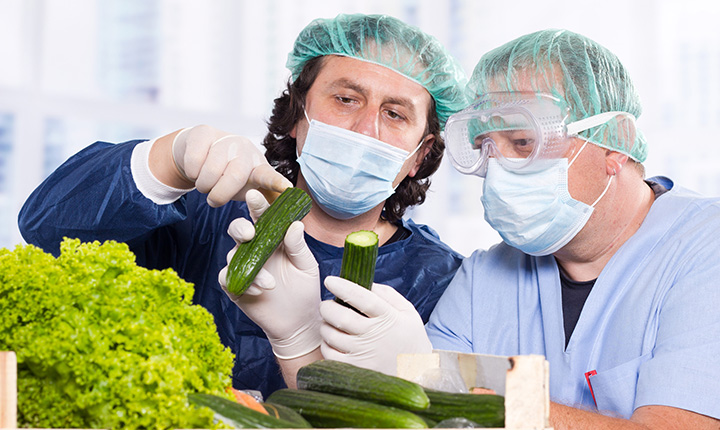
390 326
284 298
222 165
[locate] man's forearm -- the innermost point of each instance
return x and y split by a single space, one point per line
565 417
290 367
644 418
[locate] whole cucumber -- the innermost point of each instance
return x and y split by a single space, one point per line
292 205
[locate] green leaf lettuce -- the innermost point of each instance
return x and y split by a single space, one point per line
104 343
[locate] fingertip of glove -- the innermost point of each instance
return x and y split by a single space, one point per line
328 309
252 194
280 183
297 228
295 234
264 280
255 199
212 203
333 280
337 284
222 278
253 290
241 229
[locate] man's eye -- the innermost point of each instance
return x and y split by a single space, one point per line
523 142
344 100
394 115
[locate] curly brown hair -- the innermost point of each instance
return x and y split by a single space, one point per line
281 148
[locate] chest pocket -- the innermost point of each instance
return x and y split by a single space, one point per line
615 388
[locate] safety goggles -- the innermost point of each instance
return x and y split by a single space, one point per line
519 129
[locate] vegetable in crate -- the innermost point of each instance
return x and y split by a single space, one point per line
247 400
292 205
240 416
104 343
359 258
487 410
347 380
332 411
286 414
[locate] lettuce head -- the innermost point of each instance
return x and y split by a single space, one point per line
104 343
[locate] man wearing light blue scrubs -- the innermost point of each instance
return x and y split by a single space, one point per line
613 277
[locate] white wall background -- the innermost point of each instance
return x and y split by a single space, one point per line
76 71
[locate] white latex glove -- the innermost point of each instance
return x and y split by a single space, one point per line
392 326
222 165
284 298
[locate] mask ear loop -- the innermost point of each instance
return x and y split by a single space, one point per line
605 190
410 155
297 152
575 158
592 136
416 148
593 121
582 147
578 153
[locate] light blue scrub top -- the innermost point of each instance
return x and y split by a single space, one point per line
650 327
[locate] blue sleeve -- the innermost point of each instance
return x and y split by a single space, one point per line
449 326
92 196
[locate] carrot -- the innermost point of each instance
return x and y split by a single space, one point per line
482 390
247 400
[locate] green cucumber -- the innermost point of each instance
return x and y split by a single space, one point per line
292 205
347 380
286 414
359 258
239 416
487 410
325 410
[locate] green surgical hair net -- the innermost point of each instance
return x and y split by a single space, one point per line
572 67
389 42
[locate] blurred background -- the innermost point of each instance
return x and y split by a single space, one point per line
76 71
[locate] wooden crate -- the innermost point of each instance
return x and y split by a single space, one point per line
523 380
8 390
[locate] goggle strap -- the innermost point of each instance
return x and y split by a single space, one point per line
594 121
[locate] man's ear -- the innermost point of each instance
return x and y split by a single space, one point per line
614 162
421 153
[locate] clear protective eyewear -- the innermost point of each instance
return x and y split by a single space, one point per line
519 129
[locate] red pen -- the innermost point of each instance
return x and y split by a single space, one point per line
587 378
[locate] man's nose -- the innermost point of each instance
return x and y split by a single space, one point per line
367 122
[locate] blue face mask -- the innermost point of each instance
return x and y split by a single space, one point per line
534 211
348 173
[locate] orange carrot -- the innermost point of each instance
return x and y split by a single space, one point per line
481 390
247 400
